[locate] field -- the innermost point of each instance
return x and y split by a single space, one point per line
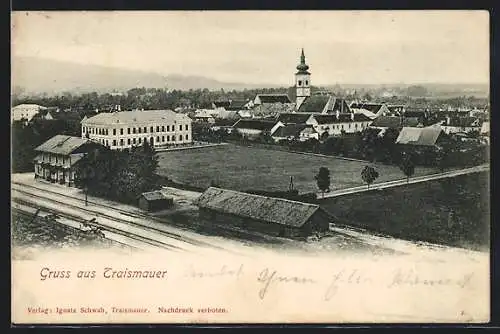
452 211
244 168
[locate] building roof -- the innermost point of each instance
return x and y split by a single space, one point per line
127 117
237 105
65 115
221 104
263 125
267 209
427 136
464 122
154 195
314 104
318 103
341 118
294 118
29 105
387 122
373 107
274 98
290 130
61 144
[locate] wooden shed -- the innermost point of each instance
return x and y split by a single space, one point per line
275 216
155 201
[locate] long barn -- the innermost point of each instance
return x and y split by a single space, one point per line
275 216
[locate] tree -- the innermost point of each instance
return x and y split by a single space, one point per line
323 180
407 166
369 174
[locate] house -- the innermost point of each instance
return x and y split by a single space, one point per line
154 201
324 104
485 129
25 112
252 128
371 110
340 123
245 114
428 136
58 157
221 104
461 124
203 116
301 132
275 216
122 130
271 99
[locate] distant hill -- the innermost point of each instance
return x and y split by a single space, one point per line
38 75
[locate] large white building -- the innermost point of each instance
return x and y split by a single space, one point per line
120 130
25 111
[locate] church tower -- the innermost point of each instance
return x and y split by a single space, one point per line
302 81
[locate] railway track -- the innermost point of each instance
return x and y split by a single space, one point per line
28 214
192 241
148 242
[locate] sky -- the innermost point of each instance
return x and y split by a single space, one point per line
263 47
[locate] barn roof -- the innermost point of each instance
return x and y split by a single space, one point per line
268 209
61 144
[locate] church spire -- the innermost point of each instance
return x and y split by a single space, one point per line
302 67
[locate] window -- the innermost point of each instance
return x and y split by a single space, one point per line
173 138
114 142
107 143
180 127
180 137
128 130
107 132
299 83
356 125
151 129
140 140
163 138
121 131
157 128
133 130
145 129
307 82
139 129
133 140
114 132
121 142
168 138
158 139
163 128
56 159
128 141
186 127
63 160
187 137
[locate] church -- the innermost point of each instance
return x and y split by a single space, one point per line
327 114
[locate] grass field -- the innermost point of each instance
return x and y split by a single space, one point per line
244 168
